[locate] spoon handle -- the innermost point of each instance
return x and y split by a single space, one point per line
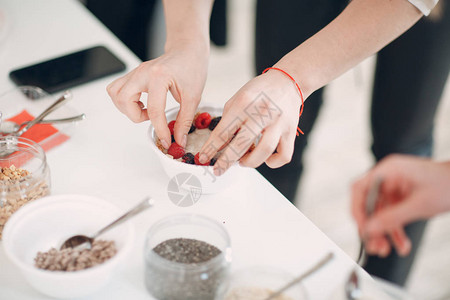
298 279
371 202
143 205
61 100
65 120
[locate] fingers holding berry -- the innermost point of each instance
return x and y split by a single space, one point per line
156 78
199 131
266 108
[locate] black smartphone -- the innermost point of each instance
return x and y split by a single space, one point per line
66 71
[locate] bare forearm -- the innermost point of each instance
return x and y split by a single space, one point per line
187 22
361 30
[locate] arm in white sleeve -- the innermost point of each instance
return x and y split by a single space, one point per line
425 6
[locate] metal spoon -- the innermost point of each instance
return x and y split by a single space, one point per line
298 279
9 127
11 147
371 201
84 241
352 287
61 100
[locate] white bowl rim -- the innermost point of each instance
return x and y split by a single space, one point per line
48 200
151 135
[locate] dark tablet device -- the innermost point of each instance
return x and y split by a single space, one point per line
66 71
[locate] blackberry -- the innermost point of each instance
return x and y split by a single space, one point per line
214 123
213 161
173 139
192 129
188 158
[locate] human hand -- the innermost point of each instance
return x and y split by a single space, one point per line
413 189
182 71
267 106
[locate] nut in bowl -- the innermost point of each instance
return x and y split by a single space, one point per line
27 241
185 161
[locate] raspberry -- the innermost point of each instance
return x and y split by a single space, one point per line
189 158
171 125
214 123
192 129
175 150
203 120
197 161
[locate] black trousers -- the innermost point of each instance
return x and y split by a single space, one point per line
129 21
410 76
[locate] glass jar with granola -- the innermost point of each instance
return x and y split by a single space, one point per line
24 175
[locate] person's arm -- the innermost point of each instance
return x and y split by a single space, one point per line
187 23
412 189
362 29
181 70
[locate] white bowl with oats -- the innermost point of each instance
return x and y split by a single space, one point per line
45 224
210 183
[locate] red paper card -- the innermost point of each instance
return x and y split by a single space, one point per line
40 132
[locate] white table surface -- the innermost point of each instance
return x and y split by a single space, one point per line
108 156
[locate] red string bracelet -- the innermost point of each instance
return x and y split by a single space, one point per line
298 88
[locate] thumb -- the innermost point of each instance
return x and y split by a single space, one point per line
397 215
183 122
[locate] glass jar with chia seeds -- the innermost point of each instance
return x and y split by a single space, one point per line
187 257
24 175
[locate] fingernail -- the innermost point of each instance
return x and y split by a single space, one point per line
372 227
217 172
203 158
184 141
406 248
383 252
371 248
164 144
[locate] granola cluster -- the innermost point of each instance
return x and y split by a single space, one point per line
12 173
15 193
